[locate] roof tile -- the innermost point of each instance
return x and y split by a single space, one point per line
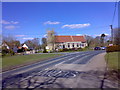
69 39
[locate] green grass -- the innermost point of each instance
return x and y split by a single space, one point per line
18 60
113 60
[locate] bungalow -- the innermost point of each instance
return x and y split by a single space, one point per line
68 42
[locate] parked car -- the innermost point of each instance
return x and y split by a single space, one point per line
97 48
103 48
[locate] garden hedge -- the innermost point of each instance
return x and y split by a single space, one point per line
113 48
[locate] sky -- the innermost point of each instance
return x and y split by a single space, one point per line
28 20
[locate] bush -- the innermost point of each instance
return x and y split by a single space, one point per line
5 52
113 48
21 50
60 50
44 51
65 49
11 52
80 49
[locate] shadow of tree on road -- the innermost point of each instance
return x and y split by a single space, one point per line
57 78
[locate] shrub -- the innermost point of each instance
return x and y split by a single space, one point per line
44 51
4 52
65 49
113 48
80 49
60 50
11 52
21 50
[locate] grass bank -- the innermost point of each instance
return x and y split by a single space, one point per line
15 61
113 60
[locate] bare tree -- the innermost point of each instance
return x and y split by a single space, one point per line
36 42
97 41
89 40
44 42
11 41
33 44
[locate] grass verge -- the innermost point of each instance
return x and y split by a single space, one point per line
16 61
113 60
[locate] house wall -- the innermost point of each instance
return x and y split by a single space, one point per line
70 45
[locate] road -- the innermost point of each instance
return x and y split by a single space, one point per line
51 73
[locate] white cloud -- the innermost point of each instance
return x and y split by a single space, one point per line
20 35
11 22
29 38
14 22
5 22
71 26
104 33
10 27
78 34
45 35
49 22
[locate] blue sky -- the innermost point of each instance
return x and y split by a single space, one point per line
27 20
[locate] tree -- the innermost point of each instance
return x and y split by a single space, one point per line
33 44
97 41
29 44
44 42
89 40
102 39
36 42
11 41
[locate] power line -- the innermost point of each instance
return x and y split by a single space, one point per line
114 13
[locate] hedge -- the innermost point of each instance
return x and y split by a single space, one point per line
113 48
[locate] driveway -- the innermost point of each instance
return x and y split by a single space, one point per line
74 70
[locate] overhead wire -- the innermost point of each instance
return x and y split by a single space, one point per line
106 68
114 12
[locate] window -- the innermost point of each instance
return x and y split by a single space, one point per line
68 45
80 45
63 46
77 45
73 45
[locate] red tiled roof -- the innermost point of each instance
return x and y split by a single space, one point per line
69 39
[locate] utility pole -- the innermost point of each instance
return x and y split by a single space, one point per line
112 39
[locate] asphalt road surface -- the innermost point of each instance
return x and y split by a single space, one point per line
39 75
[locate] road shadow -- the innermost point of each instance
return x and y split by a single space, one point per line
58 78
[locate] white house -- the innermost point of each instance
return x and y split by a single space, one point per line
4 44
25 46
69 42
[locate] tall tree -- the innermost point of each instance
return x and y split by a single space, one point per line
89 40
102 39
44 42
33 44
97 41
36 42
11 41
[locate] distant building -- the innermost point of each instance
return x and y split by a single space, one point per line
25 46
69 42
5 45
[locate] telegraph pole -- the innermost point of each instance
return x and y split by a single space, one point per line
112 39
